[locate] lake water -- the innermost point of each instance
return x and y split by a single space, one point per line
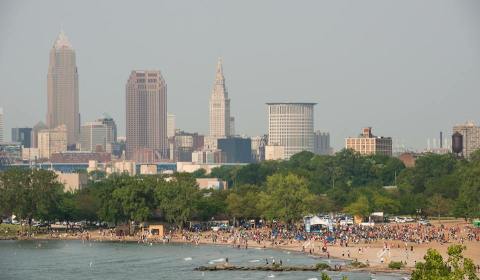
108 260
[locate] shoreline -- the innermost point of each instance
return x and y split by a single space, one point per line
176 241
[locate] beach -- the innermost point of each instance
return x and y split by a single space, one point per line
377 254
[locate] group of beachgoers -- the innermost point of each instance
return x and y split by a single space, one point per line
340 235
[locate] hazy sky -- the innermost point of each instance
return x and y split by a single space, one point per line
408 68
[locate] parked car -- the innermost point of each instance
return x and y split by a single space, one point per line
424 222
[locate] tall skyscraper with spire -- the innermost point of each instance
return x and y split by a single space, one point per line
62 89
219 106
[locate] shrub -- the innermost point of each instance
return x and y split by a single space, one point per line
322 266
395 265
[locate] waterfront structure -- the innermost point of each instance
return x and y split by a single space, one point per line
291 125
322 143
236 149
97 136
2 127
22 135
52 141
170 125
368 144
62 89
471 137
146 116
219 126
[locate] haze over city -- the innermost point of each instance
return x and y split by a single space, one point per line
409 69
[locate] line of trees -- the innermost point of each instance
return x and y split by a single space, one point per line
280 190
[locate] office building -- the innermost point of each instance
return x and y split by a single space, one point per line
273 152
368 144
258 147
62 89
97 136
170 125
291 125
236 149
219 106
208 157
185 144
146 116
22 135
471 137
52 141
322 143
35 130
109 122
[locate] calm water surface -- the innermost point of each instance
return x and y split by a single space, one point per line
106 260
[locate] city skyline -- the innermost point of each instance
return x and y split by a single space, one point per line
412 78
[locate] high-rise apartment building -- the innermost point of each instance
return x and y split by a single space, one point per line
2 127
368 144
52 141
322 143
96 137
290 125
146 107
471 137
22 135
62 89
170 125
219 106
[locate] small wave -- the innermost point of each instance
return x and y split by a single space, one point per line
315 278
216 261
271 276
187 259
254 261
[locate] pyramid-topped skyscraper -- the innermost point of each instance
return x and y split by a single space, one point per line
62 88
219 106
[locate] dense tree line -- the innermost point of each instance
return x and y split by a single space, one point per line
280 190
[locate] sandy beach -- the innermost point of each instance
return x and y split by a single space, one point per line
377 254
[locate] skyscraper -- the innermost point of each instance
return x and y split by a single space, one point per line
170 125
2 128
290 125
219 106
322 143
96 136
146 107
53 140
62 89
22 135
